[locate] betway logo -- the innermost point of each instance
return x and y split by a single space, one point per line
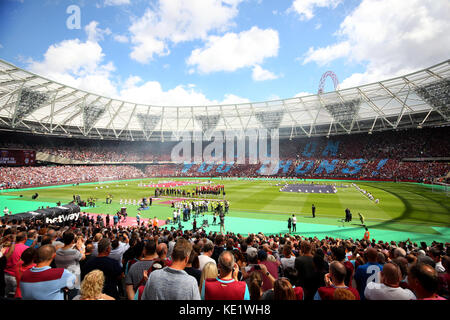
63 218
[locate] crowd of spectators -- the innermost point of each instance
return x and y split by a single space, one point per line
21 177
305 168
88 259
397 145
394 145
390 146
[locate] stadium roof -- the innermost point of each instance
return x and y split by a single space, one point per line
31 103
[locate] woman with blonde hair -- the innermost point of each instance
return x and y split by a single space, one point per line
209 271
92 287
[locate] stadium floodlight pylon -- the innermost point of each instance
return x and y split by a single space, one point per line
418 99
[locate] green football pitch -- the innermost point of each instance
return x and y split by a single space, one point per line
405 210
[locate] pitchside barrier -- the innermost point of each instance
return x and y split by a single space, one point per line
55 215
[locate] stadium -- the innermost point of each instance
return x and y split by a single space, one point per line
389 138
368 164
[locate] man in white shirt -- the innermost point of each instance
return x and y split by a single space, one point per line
175 216
205 257
118 248
389 288
435 254
294 223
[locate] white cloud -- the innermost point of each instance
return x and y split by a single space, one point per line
322 56
390 37
178 21
260 74
305 8
233 99
233 51
116 2
303 94
121 38
81 65
151 92
94 33
78 64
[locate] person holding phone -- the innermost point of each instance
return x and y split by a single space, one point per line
334 280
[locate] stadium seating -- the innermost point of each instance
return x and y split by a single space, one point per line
419 155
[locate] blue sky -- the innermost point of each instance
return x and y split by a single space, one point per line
190 52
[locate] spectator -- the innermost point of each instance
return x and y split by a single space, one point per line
423 280
205 257
282 290
402 263
288 259
43 282
88 248
368 272
218 248
444 279
399 252
333 280
389 288
118 248
97 238
255 286
54 239
161 250
241 261
321 268
135 273
435 254
190 267
271 267
26 262
209 271
226 286
92 287
32 239
8 244
304 266
69 257
173 283
10 277
110 268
